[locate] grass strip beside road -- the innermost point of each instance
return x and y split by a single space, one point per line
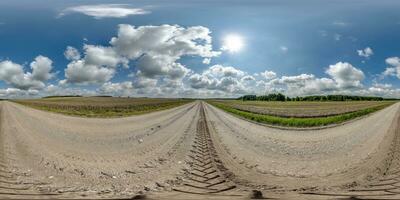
298 122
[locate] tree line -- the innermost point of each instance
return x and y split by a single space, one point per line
281 97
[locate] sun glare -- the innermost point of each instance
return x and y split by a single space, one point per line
232 43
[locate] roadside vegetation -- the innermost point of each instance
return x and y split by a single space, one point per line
281 97
102 106
300 114
302 109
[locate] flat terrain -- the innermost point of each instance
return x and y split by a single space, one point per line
302 109
300 114
102 106
195 151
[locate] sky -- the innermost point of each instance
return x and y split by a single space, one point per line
199 48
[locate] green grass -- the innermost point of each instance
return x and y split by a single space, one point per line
298 122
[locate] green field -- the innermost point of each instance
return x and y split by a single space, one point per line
102 106
301 114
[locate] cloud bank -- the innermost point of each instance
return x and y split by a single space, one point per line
149 61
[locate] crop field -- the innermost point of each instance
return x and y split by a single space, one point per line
300 114
102 106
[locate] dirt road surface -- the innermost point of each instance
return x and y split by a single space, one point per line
195 151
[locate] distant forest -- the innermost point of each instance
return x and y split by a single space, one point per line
281 97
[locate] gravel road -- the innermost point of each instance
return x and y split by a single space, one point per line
194 151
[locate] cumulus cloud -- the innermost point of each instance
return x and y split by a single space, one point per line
247 78
100 11
158 48
223 71
230 81
117 89
155 51
383 90
220 78
72 53
268 74
96 67
152 66
103 56
83 73
343 78
346 75
14 75
394 67
366 53
141 82
206 61
41 68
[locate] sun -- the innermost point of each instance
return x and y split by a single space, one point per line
232 43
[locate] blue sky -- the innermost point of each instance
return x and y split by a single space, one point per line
298 48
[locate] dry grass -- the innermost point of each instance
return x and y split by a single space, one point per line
102 106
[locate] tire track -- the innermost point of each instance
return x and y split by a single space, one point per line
205 175
163 146
387 186
10 186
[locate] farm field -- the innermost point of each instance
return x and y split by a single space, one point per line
300 114
192 151
102 106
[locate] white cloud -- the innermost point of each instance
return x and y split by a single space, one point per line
393 69
223 78
152 66
247 78
366 53
117 89
206 61
141 82
346 75
105 11
155 50
268 74
158 48
14 75
393 61
81 72
343 79
103 56
97 66
72 53
383 90
41 68
17 93
390 71
223 71
174 41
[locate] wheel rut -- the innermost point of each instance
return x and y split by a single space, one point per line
204 175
